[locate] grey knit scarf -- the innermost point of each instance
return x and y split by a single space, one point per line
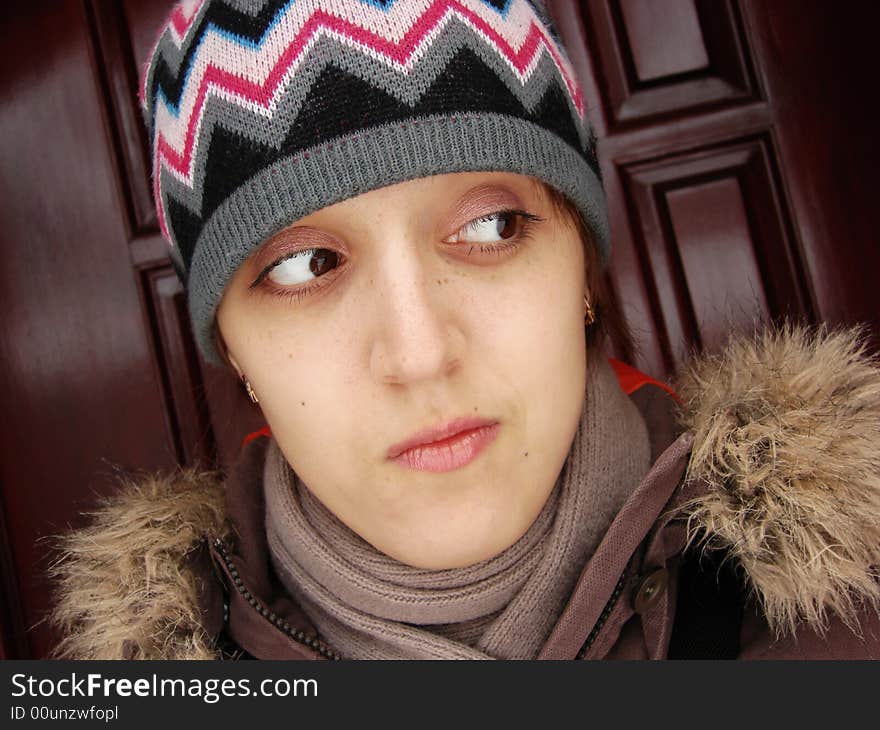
370 606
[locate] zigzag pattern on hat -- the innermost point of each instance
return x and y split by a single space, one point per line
258 86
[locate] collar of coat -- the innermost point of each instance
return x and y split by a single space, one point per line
783 473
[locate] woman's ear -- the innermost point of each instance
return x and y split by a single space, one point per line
235 365
238 371
220 346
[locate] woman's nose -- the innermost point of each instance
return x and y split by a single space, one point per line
416 333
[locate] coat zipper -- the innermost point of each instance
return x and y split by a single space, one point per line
297 635
606 612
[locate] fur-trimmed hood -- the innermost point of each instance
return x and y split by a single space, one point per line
124 587
787 437
786 452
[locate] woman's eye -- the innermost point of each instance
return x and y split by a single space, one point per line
303 266
489 229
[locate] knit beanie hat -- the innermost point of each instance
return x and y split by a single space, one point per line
260 112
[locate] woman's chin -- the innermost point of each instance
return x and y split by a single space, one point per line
428 546
447 557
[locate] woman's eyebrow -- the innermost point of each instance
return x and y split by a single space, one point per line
475 200
278 243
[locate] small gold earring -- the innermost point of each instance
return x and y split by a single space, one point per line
589 314
250 390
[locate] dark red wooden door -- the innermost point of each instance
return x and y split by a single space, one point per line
738 156
737 151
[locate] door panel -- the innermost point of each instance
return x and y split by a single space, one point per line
717 243
81 390
655 58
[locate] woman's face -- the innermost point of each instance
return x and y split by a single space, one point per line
400 317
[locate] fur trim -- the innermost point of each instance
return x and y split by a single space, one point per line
123 587
787 436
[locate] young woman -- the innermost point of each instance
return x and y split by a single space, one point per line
390 224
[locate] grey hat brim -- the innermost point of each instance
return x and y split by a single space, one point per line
376 157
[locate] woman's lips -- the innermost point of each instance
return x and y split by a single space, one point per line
446 448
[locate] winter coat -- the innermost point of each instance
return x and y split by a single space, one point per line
756 533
